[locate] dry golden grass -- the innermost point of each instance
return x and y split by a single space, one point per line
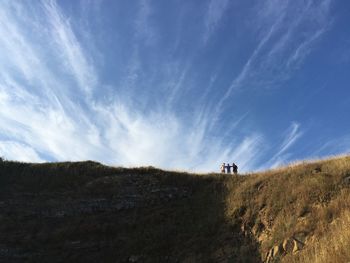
301 200
332 247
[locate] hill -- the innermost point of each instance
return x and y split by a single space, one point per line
88 212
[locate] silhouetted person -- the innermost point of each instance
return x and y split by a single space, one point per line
222 168
228 168
234 168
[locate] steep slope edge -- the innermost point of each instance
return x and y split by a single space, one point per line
88 212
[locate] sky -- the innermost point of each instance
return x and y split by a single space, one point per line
176 84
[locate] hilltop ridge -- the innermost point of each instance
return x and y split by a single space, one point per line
88 212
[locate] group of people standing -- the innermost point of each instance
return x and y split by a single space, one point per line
227 168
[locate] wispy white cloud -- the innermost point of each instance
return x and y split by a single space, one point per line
16 52
137 139
43 113
47 121
288 31
292 134
215 12
48 129
74 59
144 34
248 152
144 31
247 70
175 85
17 151
303 49
333 146
26 51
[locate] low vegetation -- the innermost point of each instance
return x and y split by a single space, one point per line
300 202
88 212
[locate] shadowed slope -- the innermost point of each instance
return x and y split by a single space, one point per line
87 212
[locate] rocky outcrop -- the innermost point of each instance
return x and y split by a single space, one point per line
346 180
116 197
133 196
10 254
289 245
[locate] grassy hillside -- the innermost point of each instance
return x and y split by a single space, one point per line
87 212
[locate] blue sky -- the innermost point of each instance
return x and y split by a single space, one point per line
175 84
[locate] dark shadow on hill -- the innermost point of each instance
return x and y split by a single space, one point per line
87 212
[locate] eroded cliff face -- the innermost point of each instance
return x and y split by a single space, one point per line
87 212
